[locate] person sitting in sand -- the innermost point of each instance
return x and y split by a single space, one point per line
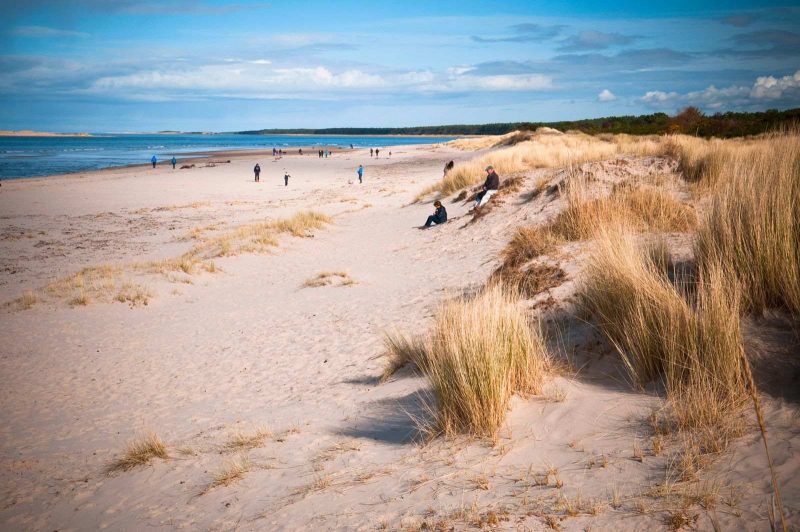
257 171
438 217
489 187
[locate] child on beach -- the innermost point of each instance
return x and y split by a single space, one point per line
360 173
153 160
438 217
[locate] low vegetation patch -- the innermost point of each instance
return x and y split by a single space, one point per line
753 223
544 150
140 452
480 352
690 339
233 472
329 278
110 282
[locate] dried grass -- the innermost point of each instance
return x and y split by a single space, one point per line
140 452
480 352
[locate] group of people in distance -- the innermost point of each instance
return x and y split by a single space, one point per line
489 188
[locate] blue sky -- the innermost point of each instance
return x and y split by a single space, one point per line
213 65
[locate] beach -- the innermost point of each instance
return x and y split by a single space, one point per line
259 367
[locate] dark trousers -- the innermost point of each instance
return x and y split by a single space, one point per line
154 165
432 219
286 181
257 175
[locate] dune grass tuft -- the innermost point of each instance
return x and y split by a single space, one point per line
401 350
233 472
754 221
243 441
140 452
481 351
329 278
691 339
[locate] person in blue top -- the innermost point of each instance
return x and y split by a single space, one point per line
360 173
174 162
153 160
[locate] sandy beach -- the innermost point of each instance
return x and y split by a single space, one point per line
252 368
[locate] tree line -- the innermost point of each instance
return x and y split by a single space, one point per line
691 121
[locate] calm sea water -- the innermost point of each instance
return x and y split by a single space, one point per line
42 156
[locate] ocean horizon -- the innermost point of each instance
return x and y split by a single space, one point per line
37 156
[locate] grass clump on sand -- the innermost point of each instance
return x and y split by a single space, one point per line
243 441
401 350
233 472
691 339
754 222
140 452
328 278
480 352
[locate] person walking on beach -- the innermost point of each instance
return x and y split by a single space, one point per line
489 187
286 177
438 217
377 151
370 152
257 172
174 162
360 173
154 160
301 151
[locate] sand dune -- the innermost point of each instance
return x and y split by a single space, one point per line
264 387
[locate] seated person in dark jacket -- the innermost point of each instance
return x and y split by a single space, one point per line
438 217
490 186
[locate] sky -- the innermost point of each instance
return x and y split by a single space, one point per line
214 65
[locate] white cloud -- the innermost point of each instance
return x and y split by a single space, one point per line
659 97
606 96
460 70
736 96
260 79
770 88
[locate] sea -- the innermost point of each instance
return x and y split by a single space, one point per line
22 157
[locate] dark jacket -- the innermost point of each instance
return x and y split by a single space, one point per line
492 181
440 215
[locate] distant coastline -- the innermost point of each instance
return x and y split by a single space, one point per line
28 133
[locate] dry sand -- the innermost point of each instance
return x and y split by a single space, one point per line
250 347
